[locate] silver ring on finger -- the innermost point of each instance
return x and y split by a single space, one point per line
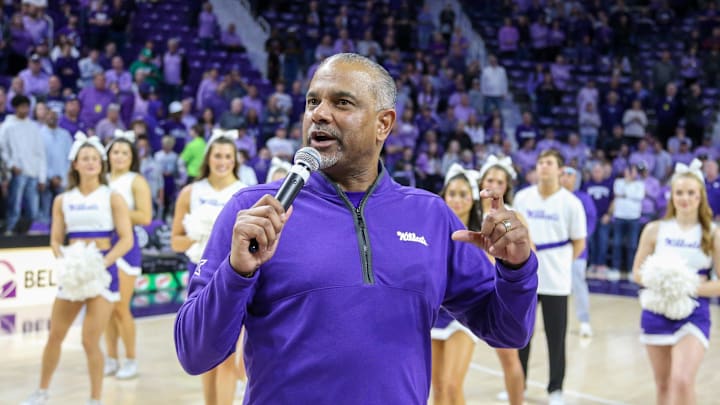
507 224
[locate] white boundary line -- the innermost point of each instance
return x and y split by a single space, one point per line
538 384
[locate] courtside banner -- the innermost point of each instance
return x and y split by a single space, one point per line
27 277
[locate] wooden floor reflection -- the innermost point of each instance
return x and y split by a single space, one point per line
610 368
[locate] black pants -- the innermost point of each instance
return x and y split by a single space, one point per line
554 311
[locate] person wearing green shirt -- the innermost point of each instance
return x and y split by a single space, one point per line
145 63
192 154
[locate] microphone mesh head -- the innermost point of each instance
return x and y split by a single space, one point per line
309 157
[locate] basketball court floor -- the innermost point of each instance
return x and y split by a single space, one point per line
609 368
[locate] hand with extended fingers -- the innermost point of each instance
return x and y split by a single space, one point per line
502 235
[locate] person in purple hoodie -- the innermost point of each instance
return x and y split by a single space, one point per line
600 188
360 270
570 179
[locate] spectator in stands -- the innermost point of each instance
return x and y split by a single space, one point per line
649 210
36 23
707 150
643 155
673 144
508 38
233 118
693 109
192 154
107 56
145 64
230 39
575 151
120 13
66 66
34 78
119 75
549 141
638 92
589 123
560 72
40 112
494 84
629 192
667 112
634 121
174 126
94 100
89 67
712 185
539 39
207 26
253 101
526 156
58 142
246 174
55 99
207 86
175 70
425 27
71 31
663 162
70 119
611 113
98 24
547 96
622 160
690 66
663 73
17 88
600 189
107 127
187 117
684 153
167 161
711 66
23 152
20 39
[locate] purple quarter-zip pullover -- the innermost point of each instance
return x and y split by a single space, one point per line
343 310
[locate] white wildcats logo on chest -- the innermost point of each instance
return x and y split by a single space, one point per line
411 237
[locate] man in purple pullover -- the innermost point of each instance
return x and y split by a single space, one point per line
338 307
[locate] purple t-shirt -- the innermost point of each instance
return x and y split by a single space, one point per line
601 194
207 24
713 195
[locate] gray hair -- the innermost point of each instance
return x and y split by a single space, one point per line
383 88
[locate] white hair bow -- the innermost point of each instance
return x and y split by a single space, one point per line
277 164
129 135
472 176
81 139
504 162
694 168
231 134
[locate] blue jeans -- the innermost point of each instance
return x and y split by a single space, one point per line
580 290
22 189
46 201
492 103
599 244
631 229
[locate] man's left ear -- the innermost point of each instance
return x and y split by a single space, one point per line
385 122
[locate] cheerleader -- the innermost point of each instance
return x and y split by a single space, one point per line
452 342
197 207
124 178
88 213
499 175
676 344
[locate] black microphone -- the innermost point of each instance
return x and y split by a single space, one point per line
307 160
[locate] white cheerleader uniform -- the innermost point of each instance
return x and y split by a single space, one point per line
90 216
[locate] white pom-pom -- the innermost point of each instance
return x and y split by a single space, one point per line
198 225
82 272
670 285
195 251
